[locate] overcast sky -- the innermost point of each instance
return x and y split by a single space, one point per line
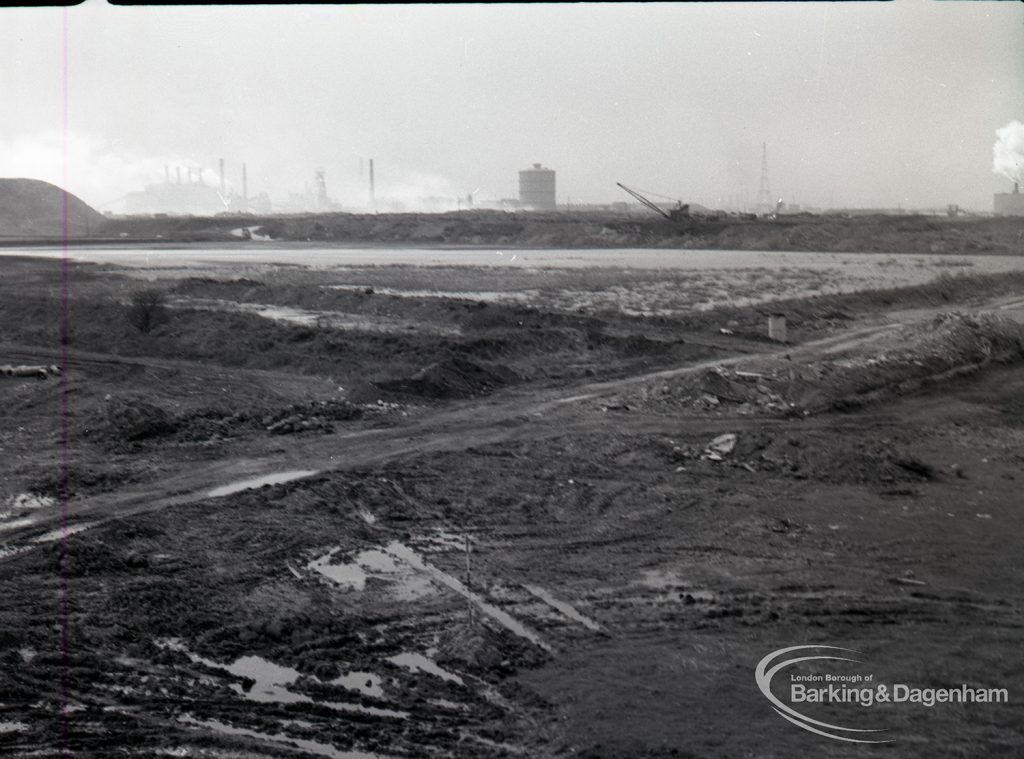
861 104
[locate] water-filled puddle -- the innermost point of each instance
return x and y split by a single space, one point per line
510 623
366 683
272 681
305 318
402 580
258 482
313 747
420 663
563 607
60 533
12 727
490 296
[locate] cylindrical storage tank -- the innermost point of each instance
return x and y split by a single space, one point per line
537 188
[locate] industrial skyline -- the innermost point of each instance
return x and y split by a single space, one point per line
854 102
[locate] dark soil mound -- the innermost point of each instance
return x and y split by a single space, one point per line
32 208
453 378
131 420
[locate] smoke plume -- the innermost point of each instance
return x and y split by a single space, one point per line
100 174
1008 152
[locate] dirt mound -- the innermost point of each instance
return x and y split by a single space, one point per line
951 345
129 420
453 378
32 208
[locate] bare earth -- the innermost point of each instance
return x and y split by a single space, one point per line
500 529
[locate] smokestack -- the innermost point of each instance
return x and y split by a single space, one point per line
245 184
221 176
178 169
373 198
1016 189
167 174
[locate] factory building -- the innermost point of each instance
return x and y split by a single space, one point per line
1009 203
191 197
537 188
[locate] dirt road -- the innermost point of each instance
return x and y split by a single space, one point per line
581 567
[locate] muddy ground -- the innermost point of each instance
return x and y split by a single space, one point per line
499 529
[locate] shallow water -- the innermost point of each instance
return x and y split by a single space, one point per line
313 747
61 532
306 318
258 482
403 581
512 624
272 681
366 683
632 258
420 663
563 607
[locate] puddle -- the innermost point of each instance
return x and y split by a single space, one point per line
27 654
313 747
328 319
403 581
12 727
367 517
258 482
16 523
503 618
366 683
563 607
350 575
272 681
420 663
59 534
490 296
444 703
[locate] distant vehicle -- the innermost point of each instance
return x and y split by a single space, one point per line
680 213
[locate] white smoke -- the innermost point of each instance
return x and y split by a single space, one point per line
1008 152
402 191
101 175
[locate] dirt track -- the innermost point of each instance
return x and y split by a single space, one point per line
622 583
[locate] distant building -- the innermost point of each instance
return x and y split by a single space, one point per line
1009 203
537 188
180 199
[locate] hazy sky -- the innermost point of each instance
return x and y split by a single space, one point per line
861 104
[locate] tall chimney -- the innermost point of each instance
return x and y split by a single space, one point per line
1016 188
245 184
167 174
373 198
221 176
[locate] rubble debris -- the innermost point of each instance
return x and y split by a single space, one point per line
720 447
453 378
